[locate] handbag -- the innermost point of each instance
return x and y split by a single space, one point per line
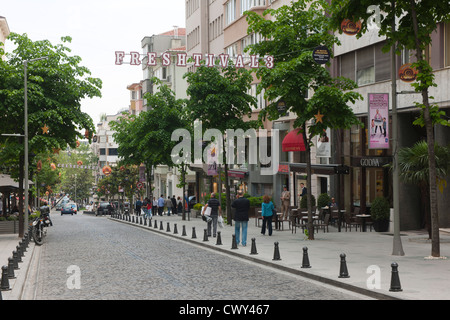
220 221
207 211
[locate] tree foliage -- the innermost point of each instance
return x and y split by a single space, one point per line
291 34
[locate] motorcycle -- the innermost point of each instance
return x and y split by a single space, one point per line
40 224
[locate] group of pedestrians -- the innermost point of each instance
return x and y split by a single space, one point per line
157 206
241 216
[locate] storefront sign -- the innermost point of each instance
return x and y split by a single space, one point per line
321 55
378 121
350 28
370 162
283 168
407 73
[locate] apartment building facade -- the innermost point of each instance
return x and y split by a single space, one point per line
363 61
173 42
217 27
4 31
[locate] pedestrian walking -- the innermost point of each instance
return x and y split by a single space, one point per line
155 206
267 210
285 202
242 206
180 205
161 205
174 205
216 210
144 206
138 206
149 208
168 204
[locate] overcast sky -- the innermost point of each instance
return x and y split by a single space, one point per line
98 28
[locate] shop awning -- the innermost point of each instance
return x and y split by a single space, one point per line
328 169
293 141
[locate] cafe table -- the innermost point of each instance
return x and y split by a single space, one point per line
363 218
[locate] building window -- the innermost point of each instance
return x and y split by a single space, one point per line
365 69
231 11
348 65
113 152
102 151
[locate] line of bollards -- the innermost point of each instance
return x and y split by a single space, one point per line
395 285
13 263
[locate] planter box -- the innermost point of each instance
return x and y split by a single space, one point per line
8 227
381 225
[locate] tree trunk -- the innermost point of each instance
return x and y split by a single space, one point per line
310 225
435 246
227 186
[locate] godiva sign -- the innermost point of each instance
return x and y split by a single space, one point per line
370 162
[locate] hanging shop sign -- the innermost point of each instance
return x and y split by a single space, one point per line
321 55
182 59
370 162
350 28
378 120
407 73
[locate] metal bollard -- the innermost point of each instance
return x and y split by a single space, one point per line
343 272
395 280
156 224
233 242
276 252
168 227
11 268
194 236
183 232
161 226
15 259
253 249
175 230
205 235
19 254
5 281
305 262
219 239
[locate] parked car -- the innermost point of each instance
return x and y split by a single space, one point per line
105 208
69 208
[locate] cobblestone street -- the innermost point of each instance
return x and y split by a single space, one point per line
118 261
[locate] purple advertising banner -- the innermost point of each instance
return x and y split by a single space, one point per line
378 121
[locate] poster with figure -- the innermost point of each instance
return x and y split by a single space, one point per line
324 144
378 121
212 160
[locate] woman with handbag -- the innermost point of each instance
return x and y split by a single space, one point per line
267 211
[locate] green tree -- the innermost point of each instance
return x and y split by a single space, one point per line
415 22
291 35
147 137
218 98
415 170
56 87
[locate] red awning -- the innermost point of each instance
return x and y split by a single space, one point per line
293 141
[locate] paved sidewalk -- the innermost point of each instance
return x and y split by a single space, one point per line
368 256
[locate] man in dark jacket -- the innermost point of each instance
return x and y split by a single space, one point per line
242 206
216 210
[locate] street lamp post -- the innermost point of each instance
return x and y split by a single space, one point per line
25 66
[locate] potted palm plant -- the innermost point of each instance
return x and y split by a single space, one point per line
379 212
